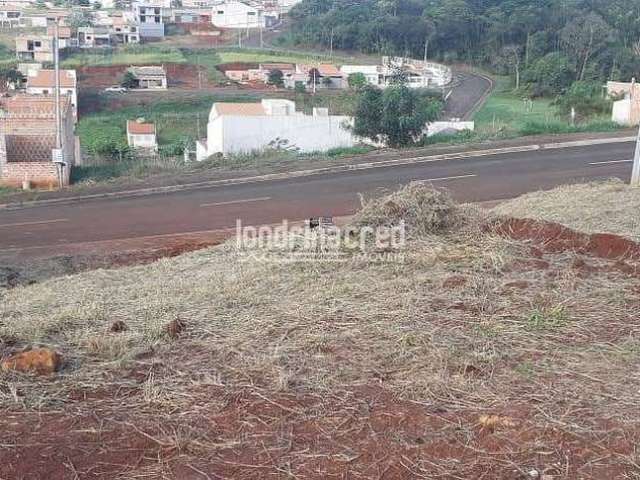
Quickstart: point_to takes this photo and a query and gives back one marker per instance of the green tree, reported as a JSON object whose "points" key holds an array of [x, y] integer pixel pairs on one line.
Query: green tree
{"points": [[356, 80], [397, 116], [129, 80], [276, 78], [586, 98]]}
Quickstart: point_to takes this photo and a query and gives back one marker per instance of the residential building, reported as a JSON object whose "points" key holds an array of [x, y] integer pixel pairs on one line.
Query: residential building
{"points": [[28, 140], [150, 18], [93, 37], [43, 82], [324, 76], [208, 4], [141, 135], [273, 123], [66, 38], [10, 17], [150, 77], [419, 74], [240, 14], [124, 32], [34, 47], [626, 105]]}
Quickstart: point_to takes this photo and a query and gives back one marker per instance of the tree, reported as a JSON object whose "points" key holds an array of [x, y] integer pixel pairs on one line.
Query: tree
{"points": [[583, 37], [356, 80], [80, 18], [276, 78], [129, 80], [512, 56], [314, 77], [397, 116], [586, 98]]}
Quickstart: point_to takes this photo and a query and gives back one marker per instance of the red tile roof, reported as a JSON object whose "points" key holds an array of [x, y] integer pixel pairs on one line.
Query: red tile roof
{"points": [[47, 79], [241, 109], [139, 128]]}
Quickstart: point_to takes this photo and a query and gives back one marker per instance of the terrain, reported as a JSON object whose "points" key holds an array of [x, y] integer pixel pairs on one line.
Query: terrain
{"points": [[490, 347]]}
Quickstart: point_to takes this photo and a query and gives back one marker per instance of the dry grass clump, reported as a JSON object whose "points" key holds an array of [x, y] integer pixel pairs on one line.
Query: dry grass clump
{"points": [[598, 207], [423, 209]]}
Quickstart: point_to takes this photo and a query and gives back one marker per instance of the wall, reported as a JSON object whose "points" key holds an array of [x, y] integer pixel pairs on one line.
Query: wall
{"points": [[236, 15], [238, 134], [142, 141]]}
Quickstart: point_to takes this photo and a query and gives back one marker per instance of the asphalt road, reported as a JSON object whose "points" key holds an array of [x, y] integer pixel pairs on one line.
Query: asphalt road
{"points": [[472, 179]]}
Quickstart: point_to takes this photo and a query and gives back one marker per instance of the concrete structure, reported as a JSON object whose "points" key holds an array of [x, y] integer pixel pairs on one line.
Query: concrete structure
{"points": [[28, 138], [626, 109], [10, 17], [123, 31], [150, 18], [43, 82], [273, 123], [141, 135], [436, 128], [240, 14], [150, 77], [325, 76], [419, 74], [93, 37], [65, 36], [34, 47]]}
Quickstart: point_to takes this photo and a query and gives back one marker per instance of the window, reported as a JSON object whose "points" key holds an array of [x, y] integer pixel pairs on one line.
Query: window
{"points": [[133, 29], [251, 13], [220, 12], [37, 43], [45, 92]]}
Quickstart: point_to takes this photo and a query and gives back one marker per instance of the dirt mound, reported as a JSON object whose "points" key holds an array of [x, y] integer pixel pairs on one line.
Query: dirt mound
{"points": [[556, 238]]}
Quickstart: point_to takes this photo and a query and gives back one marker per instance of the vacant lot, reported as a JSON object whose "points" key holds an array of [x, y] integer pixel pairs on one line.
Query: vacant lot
{"points": [[489, 349]]}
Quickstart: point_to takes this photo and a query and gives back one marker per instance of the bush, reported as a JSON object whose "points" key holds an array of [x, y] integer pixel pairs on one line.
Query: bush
{"points": [[586, 98], [559, 127]]}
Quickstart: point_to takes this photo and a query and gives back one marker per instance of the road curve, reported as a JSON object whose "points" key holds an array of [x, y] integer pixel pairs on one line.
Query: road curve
{"points": [[472, 179]]}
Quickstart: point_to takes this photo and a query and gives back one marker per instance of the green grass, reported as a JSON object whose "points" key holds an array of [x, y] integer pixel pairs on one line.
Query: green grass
{"points": [[506, 110], [508, 114], [128, 55], [257, 56]]}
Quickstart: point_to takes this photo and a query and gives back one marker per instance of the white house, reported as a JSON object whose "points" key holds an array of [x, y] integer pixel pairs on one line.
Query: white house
{"points": [[249, 127], [141, 135], [419, 74], [150, 17], [238, 14], [43, 82]]}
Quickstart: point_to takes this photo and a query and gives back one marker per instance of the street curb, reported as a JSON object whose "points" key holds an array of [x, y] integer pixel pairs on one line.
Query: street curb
{"points": [[143, 192]]}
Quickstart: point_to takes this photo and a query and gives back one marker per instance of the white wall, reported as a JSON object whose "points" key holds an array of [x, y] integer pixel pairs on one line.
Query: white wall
{"points": [[236, 15], [621, 113], [237, 134], [142, 141], [436, 127]]}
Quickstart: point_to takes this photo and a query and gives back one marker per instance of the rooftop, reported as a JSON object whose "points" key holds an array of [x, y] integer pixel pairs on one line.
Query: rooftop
{"points": [[47, 79], [241, 109], [140, 128], [148, 71], [29, 105]]}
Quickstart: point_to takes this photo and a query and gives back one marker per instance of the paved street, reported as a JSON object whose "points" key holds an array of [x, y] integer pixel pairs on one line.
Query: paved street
{"points": [[472, 179]]}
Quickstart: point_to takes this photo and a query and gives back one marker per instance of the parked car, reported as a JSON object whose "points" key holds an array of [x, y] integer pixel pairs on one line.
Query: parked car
{"points": [[116, 88]]}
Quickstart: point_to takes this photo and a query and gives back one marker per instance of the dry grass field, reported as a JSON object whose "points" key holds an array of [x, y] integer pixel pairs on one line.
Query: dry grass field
{"points": [[490, 348]]}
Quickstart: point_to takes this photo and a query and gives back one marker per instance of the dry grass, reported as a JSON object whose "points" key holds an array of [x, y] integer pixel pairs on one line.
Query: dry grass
{"points": [[600, 207], [464, 325]]}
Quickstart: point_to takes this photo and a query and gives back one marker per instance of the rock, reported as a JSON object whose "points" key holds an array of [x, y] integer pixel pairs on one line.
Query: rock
{"points": [[175, 328], [118, 327], [40, 361]]}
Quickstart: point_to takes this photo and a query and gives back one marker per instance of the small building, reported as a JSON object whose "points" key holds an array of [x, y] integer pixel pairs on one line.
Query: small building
{"points": [[66, 38], [149, 77], [151, 18], [324, 75], [34, 47], [93, 37], [273, 123], [43, 82], [28, 141], [124, 32], [419, 74], [10, 17], [141, 135], [626, 104], [237, 14]]}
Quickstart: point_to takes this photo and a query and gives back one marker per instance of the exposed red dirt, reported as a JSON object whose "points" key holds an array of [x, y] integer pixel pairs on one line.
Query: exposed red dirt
{"points": [[179, 75], [556, 238]]}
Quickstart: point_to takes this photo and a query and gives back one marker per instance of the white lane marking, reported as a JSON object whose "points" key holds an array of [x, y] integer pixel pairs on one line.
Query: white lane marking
{"points": [[608, 162], [42, 222], [446, 178], [233, 202]]}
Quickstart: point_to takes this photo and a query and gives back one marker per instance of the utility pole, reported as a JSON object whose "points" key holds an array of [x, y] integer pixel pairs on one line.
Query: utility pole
{"points": [[331, 44], [426, 49], [635, 174], [261, 39], [57, 156]]}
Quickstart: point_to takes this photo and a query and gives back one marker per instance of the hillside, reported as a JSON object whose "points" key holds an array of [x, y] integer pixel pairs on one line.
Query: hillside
{"points": [[486, 348]]}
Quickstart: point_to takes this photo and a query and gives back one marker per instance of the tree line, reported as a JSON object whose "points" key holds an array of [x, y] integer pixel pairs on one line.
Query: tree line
{"points": [[545, 45]]}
